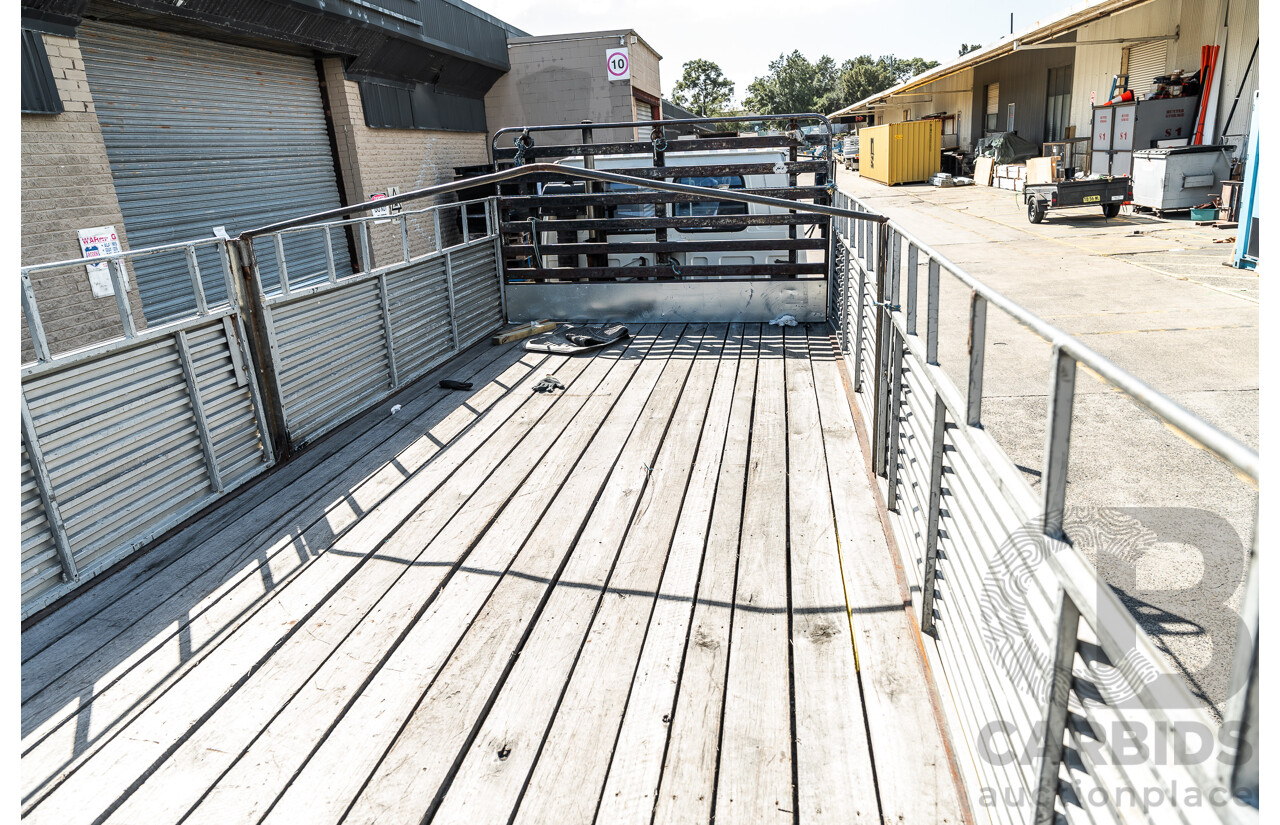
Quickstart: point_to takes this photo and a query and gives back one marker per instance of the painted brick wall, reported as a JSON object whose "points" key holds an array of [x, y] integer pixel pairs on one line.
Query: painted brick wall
{"points": [[372, 160], [67, 186]]}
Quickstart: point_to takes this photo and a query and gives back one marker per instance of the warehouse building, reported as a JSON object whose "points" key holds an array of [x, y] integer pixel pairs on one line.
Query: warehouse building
{"points": [[1043, 82], [167, 120]]}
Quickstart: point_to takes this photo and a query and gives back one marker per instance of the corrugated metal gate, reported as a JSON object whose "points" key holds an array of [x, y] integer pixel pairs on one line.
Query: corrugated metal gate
{"points": [[352, 341], [202, 134], [123, 440]]}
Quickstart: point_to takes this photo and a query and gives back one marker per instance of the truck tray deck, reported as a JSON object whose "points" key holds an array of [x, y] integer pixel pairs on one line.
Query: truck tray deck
{"points": [[623, 600]]}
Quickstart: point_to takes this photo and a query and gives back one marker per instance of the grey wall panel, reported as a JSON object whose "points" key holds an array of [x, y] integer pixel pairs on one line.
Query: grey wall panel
{"points": [[202, 134], [123, 448]]}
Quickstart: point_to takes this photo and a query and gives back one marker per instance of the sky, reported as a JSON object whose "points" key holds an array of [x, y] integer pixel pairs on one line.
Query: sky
{"points": [[742, 36]]}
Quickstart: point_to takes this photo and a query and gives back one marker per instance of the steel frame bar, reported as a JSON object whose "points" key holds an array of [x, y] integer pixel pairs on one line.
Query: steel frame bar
{"points": [[197, 409], [44, 486]]}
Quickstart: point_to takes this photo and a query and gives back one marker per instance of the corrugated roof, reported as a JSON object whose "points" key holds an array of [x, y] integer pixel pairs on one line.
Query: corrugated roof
{"points": [[1040, 33]]}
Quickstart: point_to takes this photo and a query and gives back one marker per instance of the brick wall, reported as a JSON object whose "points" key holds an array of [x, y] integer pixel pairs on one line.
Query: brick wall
{"points": [[67, 186], [372, 160]]}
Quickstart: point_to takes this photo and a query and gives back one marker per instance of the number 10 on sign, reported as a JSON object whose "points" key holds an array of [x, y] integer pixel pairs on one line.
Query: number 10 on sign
{"points": [[619, 64]]}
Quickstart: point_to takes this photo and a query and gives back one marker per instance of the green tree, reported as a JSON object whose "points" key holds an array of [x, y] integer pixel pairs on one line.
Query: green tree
{"points": [[703, 89], [965, 48], [863, 76], [793, 84]]}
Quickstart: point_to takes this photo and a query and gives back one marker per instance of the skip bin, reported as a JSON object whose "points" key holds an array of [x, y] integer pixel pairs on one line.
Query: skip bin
{"points": [[1180, 177], [908, 152]]}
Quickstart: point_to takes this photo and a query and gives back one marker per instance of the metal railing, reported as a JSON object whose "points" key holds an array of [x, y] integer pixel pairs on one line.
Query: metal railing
{"points": [[125, 438], [341, 343], [961, 509]]}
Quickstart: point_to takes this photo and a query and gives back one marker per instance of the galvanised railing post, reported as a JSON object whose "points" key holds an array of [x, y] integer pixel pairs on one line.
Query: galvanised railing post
{"points": [[282, 271], [197, 284], [859, 324], [894, 416], [1055, 717], [1062, 390], [35, 326], [44, 486], [115, 267], [913, 264], [878, 429], [197, 410], [1238, 765], [453, 307], [931, 313], [330, 266], [931, 530], [388, 336], [977, 351]]}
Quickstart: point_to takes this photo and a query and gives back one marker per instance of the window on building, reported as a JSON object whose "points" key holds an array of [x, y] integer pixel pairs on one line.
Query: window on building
{"points": [[993, 106], [39, 91], [1057, 112]]}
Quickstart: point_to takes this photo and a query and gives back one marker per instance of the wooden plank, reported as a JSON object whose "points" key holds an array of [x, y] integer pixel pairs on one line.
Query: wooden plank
{"points": [[633, 147], [610, 198], [755, 772], [532, 328], [646, 225], [288, 706], [247, 506], [607, 273], [687, 788], [580, 743], [65, 722], [496, 765], [636, 767], [336, 772], [434, 739], [914, 773], [428, 499], [731, 245], [836, 782]]}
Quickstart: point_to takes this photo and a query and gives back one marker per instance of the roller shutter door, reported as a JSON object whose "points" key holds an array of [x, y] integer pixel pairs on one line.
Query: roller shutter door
{"points": [[1146, 63], [644, 110], [202, 134]]}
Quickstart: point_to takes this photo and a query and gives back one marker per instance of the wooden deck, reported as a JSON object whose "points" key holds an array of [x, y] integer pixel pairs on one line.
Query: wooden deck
{"points": [[636, 600]]}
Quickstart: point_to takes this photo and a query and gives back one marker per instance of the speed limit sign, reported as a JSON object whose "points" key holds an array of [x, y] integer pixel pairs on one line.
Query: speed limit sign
{"points": [[619, 64]]}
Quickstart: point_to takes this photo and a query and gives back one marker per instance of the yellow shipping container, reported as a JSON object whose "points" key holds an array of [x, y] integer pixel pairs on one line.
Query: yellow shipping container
{"points": [[907, 152]]}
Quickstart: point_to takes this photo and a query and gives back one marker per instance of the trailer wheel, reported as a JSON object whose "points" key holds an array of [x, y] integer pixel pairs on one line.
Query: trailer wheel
{"points": [[1111, 209], [1036, 209]]}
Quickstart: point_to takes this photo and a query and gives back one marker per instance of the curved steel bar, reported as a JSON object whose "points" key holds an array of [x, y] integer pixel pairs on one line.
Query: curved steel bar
{"points": [[571, 173]]}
